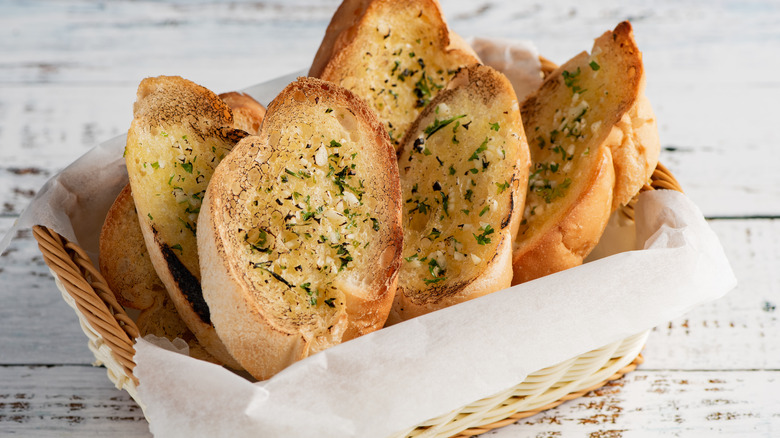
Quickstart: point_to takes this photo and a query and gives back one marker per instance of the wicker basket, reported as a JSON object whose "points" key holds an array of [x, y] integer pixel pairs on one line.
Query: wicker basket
{"points": [[111, 333]]}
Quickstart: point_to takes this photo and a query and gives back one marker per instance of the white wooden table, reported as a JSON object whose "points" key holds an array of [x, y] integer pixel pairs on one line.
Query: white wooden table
{"points": [[68, 74]]}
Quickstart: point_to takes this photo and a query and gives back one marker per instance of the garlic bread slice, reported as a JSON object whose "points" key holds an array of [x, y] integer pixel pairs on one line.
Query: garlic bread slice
{"points": [[299, 235], [594, 143], [180, 132], [124, 260], [464, 169], [397, 55], [127, 268], [247, 112]]}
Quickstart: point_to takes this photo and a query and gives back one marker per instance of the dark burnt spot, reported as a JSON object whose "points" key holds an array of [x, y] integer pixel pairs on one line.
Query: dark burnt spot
{"points": [[187, 283]]}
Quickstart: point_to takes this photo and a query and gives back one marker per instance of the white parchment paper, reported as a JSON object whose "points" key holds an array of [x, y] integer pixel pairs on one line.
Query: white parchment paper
{"points": [[639, 276]]}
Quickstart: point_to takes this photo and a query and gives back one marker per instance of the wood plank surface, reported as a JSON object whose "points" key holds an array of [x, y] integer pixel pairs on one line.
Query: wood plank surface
{"points": [[665, 404], [79, 401], [70, 69], [60, 401], [68, 74]]}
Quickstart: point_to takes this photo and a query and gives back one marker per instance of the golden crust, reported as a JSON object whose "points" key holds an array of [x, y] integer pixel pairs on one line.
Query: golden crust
{"points": [[248, 113], [565, 241], [125, 264], [124, 260], [172, 100], [362, 51], [271, 303], [593, 126]]}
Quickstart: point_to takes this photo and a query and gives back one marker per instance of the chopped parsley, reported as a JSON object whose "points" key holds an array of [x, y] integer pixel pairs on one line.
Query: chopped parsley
{"points": [[480, 149], [439, 124], [482, 238]]}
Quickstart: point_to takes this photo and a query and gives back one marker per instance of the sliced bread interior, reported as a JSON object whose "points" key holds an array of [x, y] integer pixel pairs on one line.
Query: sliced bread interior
{"points": [[464, 169], [180, 132], [397, 55], [299, 235], [594, 143]]}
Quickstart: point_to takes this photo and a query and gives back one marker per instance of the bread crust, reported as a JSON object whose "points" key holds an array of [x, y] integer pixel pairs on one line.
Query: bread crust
{"points": [[342, 29], [611, 165], [127, 268], [353, 32], [248, 113], [484, 95], [124, 260], [566, 240], [261, 334]]}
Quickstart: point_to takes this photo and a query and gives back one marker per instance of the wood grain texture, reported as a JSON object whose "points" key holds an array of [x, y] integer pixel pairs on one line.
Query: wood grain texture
{"points": [[76, 401], [70, 70], [68, 75], [665, 404]]}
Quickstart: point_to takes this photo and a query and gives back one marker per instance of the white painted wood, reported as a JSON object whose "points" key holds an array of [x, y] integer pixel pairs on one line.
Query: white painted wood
{"points": [[70, 68], [66, 401], [665, 404], [68, 73], [79, 401], [741, 330], [36, 325]]}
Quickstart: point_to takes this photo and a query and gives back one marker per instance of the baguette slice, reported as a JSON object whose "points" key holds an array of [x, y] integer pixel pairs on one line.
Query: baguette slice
{"points": [[124, 260], [248, 113], [127, 268], [397, 55], [179, 133], [464, 170], [594, 143], [300, 237]]}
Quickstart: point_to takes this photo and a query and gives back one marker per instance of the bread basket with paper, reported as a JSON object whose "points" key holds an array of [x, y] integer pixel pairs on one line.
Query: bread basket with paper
{"points": [[563, 310]]}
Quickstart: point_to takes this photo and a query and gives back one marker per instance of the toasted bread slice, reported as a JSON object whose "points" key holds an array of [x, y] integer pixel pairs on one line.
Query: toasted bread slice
{"points": [[127, 268], [594, 143], [124, 260], [248, 113], [464, 172], [300, 237], [313, 194], [397, 55], [179, 133], [163, 320]]}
